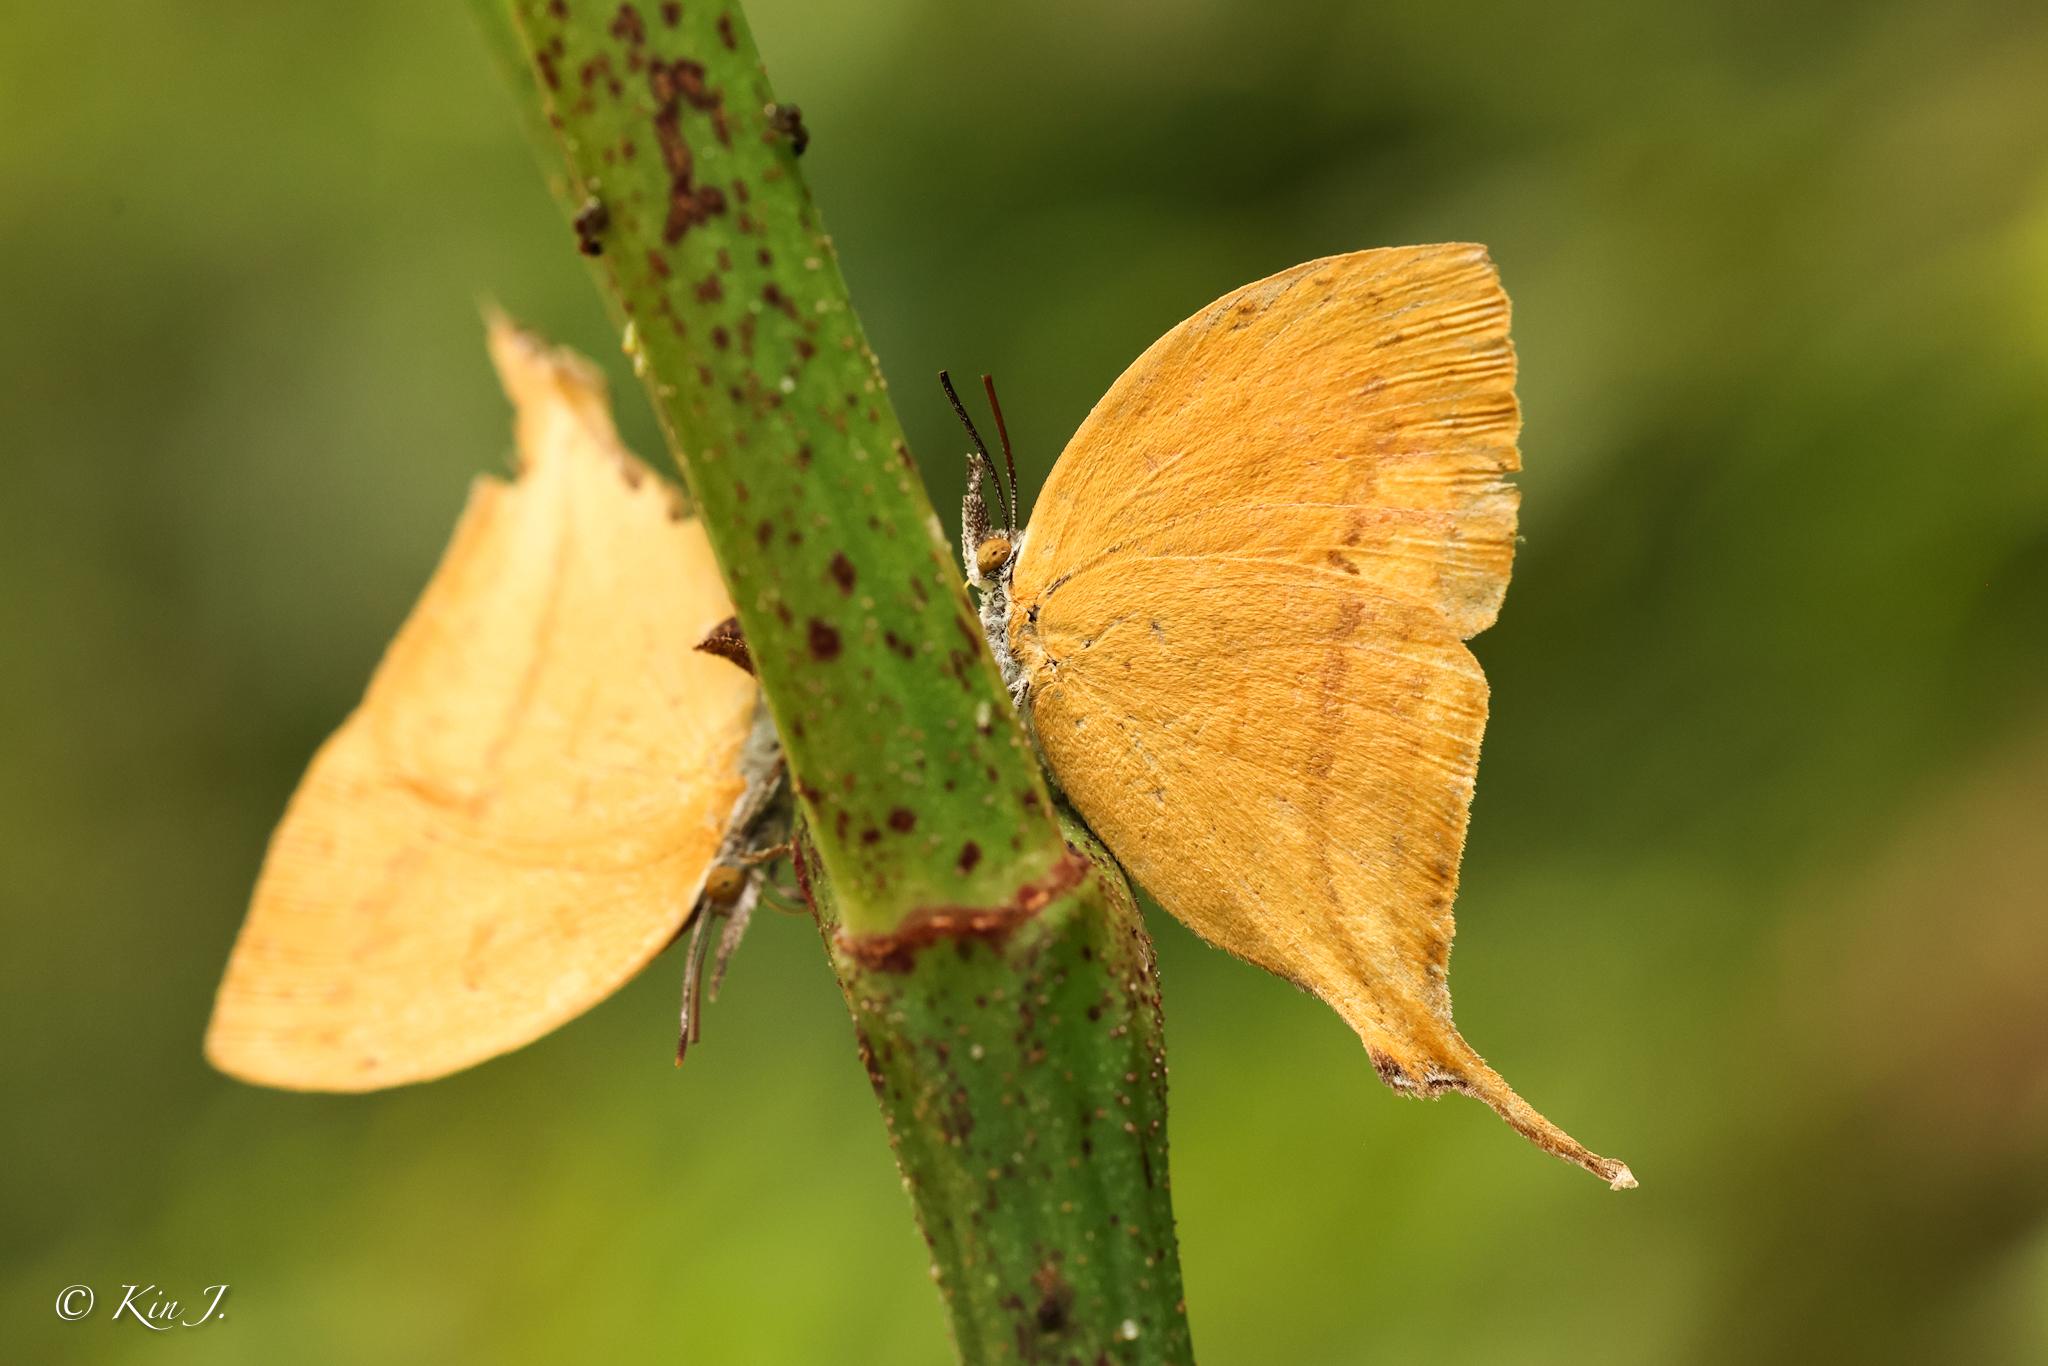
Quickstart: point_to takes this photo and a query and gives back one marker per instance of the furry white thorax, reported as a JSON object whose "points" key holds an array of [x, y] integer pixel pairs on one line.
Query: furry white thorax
{"points": [[993, 591]]}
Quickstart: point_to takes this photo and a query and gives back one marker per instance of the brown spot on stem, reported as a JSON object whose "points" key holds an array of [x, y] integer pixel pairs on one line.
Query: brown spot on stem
{"points": [[842, 572], [689, 82], [627, 26], [599, 70], [1055, 1298], [970, 855], [902, 820], [672, 85], [824, 639]]}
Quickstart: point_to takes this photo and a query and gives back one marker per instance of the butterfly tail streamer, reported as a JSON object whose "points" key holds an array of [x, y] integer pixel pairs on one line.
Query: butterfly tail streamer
{"points": [[1457, 1066]]}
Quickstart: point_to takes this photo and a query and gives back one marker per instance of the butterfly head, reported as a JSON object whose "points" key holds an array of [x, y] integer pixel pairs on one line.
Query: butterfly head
{"points": [[988, 536], [992, 555]]}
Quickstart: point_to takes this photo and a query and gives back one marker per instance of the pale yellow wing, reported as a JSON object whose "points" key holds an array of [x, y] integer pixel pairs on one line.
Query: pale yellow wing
{"points": [[522, 810], [1283, 755], [1356, 412]]}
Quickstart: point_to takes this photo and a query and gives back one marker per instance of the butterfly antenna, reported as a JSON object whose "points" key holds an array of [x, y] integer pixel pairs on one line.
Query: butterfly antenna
{"points": [[980, 446], [988, 384]]}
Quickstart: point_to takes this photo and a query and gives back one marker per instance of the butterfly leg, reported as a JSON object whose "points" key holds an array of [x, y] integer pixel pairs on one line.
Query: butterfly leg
{"points": [[757, 834]]}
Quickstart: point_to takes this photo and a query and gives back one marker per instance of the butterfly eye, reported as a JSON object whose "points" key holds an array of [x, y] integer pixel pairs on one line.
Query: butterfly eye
{"points": [[723, 885], [992, 554]]}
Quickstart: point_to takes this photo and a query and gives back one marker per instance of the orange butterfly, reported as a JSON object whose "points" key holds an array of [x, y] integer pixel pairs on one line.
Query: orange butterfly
{"points": [[527, 805], [1237, 618]]}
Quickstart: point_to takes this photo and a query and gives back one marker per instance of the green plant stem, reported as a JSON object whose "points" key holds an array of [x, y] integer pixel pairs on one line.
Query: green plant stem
{"points": [[999, 977], [1020, 1061], [919, 785]]}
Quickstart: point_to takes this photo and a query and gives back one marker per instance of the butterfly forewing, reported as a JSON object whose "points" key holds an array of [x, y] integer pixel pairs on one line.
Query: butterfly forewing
{"points": [[1356, 412]]}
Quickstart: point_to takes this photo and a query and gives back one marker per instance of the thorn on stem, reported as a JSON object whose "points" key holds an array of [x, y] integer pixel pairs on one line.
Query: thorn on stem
{"points": [[590, 222], [728, 642], [787, 121]]}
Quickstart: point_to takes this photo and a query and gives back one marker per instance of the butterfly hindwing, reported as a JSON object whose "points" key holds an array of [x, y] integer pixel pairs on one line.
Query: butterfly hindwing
{"points": [[522, 810], [1284, 756]]}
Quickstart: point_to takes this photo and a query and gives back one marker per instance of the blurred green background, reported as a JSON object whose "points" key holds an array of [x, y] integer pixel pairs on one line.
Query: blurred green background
{"points": [[1757, 892]]}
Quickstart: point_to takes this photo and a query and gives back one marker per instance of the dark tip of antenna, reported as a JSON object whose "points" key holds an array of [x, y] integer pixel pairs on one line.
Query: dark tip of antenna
{"points": [[973, 432], [988, 385], [960, 411]]}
